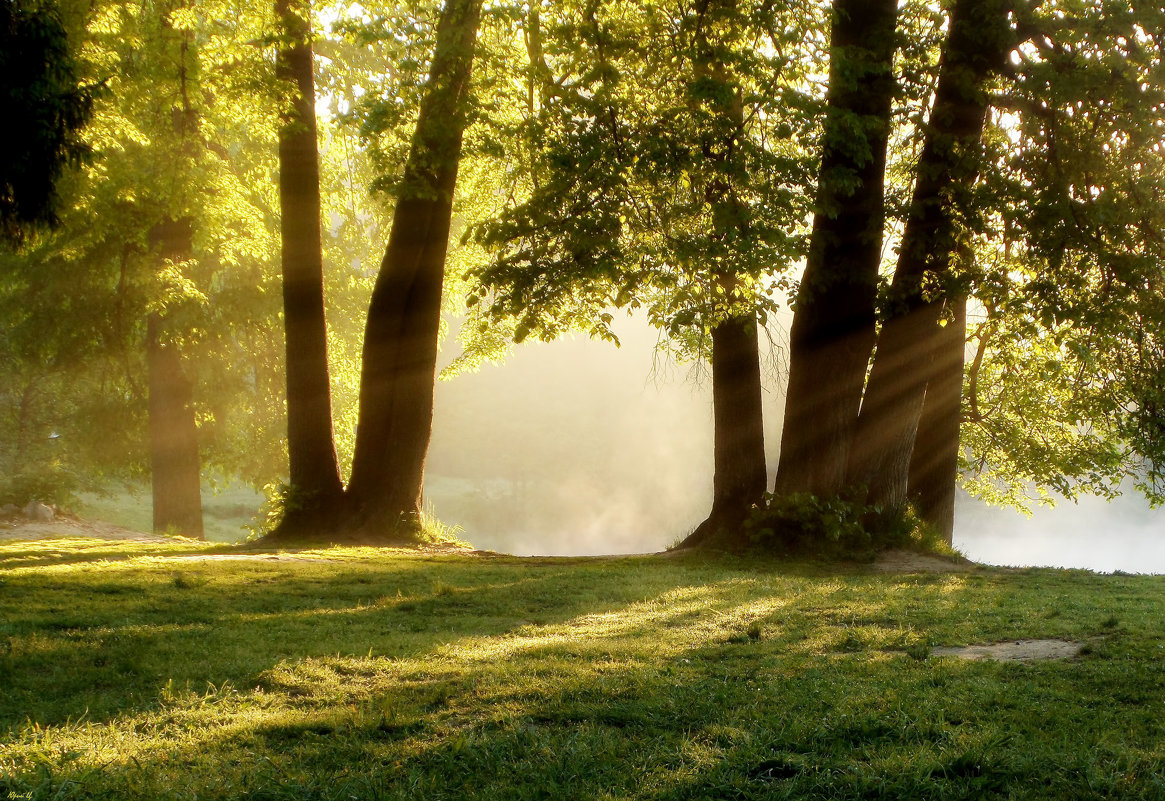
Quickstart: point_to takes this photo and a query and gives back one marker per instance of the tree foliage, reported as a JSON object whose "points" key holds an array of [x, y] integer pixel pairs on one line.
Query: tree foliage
{"points": [[41, 90], [664, 156]]}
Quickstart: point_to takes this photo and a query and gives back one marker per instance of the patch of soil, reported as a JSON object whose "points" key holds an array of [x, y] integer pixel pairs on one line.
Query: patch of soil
{"points": [[1014, 650], [900, 561]]}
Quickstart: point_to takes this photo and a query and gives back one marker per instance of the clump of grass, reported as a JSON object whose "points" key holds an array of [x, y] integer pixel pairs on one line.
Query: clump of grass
{"points": [[753, 633], [437, 532], [181, 581], [919, 651]]}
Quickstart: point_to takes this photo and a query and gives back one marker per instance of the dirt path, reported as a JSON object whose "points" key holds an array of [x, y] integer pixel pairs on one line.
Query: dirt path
{"points": [[898, 561]]}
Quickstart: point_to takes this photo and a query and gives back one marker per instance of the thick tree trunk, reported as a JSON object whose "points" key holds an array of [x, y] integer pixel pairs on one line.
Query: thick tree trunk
{"points": [[833, 330], [977, 45], [739, 446], [400, 341], [314, 473], [934, 462], [174, 467]]}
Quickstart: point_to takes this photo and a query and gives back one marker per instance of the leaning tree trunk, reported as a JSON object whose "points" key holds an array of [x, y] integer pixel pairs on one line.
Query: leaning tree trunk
{"points": [[934, 463], [314, 473], [400, 340], [832, 334], [979, 39]]}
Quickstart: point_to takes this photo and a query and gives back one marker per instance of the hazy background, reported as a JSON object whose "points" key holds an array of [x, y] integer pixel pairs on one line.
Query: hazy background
{"points": [[578, 447]]}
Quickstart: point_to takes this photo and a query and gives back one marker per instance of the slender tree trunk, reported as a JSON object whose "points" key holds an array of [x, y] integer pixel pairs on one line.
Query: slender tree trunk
{"points": [[739, 446], [400, 341], [934, 462], [736, 395], [739, 476], [174, 463], [833, 330], [979, 39], [314, 473]]}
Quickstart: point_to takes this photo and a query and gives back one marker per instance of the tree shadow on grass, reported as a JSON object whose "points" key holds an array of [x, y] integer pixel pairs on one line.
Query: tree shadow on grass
{"points": [[497, 680], [102, 641]]}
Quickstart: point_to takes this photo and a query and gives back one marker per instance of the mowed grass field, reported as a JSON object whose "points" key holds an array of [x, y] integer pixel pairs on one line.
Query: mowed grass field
{"points": [[133, 671]]}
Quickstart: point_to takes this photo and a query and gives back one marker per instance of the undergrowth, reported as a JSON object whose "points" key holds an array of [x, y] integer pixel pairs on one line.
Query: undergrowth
{"points": [[800, 524]]}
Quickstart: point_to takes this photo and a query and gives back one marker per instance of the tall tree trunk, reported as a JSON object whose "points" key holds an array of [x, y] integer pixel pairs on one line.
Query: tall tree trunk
{"points": [[400, 340], [174, 464], [934, 462], [314, 473], [980, 37], [175, 475], [739, 476], [833, 330]]}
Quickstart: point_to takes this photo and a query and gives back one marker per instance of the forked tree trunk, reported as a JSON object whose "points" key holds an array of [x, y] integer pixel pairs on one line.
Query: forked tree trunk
{"points": [[400, 341], [314, 473], [832, 334], [979, 39], [934, 463]]}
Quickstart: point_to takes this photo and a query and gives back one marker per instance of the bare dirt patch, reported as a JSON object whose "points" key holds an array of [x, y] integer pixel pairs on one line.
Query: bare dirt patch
{"points": [[1014, 650], [900, 561]]}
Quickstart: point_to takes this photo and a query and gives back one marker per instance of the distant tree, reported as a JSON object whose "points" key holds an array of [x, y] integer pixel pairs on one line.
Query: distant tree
{"points": [[47, 107], [145, 312]]}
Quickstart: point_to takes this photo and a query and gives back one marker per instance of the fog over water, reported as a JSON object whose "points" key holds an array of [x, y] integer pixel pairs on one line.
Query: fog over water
{"points": [[577, 447]]}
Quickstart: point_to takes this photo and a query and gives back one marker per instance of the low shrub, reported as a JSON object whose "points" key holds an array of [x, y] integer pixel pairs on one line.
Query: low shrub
{"points": [[834, 527]]}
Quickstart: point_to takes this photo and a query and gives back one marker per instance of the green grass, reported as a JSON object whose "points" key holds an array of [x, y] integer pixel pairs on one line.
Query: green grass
{"points": [[128, 672], [227, 510]]}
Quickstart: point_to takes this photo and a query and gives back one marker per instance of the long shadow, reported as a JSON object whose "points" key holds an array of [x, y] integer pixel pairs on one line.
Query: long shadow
{"points": [[102, 645], [65, 551], [565, 706]]}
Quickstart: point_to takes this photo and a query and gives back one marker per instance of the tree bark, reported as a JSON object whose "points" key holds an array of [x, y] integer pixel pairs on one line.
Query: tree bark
{"points": [[400, 341], [314, 472], [832, 334], [739, 445], [977, 44], [739, 475], [934, 462], [176, 480]]}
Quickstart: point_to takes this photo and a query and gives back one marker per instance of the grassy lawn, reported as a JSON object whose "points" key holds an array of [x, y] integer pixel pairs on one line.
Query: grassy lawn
{"points": [[131, 671], [226, 510]]}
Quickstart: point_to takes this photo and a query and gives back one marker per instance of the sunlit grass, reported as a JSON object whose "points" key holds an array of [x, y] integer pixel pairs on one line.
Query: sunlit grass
{"points": [[134, 671]]}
